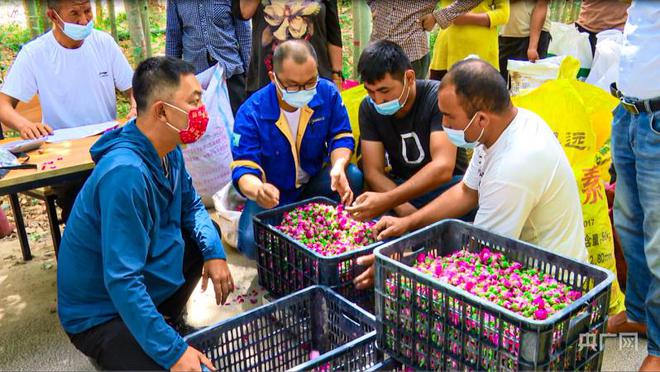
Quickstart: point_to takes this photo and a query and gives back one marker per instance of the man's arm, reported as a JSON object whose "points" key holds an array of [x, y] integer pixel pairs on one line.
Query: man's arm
{"points": [[536, 25], [173, 31], [492, 18], [432, 175], [245, 9], [445, 16], [454, 203], [195, 220], [125, 222], [11, 118], [333, 30], [20, 85], [340, 146], [373, 163], [244, 36], [248, 177]]}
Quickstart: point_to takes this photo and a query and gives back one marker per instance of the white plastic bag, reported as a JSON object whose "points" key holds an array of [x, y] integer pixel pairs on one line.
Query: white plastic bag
{"points": [[208, 159], [568, 41], [526, 75], [228, 205], [605, 69]]}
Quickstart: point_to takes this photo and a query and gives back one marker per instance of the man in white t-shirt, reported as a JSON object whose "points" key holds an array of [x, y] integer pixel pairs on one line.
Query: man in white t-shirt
{"points": [[519, 176], [73, 68]]}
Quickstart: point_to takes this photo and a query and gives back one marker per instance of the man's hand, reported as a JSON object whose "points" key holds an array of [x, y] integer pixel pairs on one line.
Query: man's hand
{"points": [[369, 205], [339, 82], [428, 21], [366, 279], [532, 55], [192, 360], [388, 227], [268, 196], [339, 183], [223, 283], [34, 130]]}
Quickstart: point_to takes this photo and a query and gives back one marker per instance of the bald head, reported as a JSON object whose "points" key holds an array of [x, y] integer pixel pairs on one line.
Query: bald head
{"points": [[478, 87], [297, 50]]}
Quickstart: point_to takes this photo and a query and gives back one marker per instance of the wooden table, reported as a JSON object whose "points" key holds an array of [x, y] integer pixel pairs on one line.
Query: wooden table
{"points": [[75, 163]]}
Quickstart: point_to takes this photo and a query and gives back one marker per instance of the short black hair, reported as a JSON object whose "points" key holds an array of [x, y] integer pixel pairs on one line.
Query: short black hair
{"points": [[54, 4], [297, 49], [479, 87], [380, 58], [155, 74]]}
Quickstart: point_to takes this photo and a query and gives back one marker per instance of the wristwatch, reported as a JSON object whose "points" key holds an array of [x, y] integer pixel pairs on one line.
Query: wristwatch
{"points": [[338, 73]]}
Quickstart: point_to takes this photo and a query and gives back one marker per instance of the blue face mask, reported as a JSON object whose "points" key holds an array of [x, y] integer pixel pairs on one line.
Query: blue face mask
{"points": [[390, 108], [75, 31], [296, 99], [457, 136]]}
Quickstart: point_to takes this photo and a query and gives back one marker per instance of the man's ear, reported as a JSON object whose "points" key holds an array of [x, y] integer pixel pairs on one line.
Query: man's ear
{"points": [[412, 74], [158, 110], [271, 75], [483, 119], [52, 16]]}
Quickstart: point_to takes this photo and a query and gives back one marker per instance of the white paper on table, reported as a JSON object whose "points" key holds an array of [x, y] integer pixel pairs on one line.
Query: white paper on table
{"points": [[68, 134]]}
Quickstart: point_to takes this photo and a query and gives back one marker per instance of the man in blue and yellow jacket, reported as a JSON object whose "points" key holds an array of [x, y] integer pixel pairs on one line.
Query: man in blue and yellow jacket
{"points": [[285, 134]]}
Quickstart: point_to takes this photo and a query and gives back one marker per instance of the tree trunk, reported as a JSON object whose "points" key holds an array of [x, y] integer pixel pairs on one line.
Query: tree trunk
{"points": [[144, 15], [46, 23], [112, 20], [98, 4], [361, 31], [31, 17], [135, 30]]}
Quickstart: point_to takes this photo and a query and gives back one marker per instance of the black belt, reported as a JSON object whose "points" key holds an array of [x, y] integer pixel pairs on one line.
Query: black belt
{"points": [[634, 105]]}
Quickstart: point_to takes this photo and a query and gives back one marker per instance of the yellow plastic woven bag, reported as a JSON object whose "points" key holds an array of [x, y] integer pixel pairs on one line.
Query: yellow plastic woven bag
{"points": [[580, 115], [352, 99]]}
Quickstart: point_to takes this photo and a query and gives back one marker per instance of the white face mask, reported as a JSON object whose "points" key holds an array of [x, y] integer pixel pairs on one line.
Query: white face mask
{"points": [[457, 136], [296, 99], [392, 107], [75, 31]]}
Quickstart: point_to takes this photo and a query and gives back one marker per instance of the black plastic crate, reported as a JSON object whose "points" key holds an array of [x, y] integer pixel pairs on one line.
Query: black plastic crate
{"points": [[428, 324], [286, 265], [281, 335]]}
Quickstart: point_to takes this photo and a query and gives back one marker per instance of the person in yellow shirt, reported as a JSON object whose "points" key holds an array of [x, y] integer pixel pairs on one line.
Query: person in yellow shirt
{"points": [[471, 33]]}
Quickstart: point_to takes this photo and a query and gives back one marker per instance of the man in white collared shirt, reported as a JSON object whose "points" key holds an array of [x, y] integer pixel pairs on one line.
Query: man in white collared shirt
{"points": [[636, 154]]}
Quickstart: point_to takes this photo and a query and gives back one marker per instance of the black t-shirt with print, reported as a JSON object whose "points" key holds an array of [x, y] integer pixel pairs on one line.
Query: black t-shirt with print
{"points": [[407, 140]]}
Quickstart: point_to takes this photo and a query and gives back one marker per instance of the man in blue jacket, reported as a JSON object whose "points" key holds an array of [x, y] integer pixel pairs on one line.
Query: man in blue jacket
{"points": [[139, 236], [285, 134]]}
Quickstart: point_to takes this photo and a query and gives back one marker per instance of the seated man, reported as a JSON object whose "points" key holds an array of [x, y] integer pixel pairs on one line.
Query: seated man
{"points": [[519, 176], [285, 133], [400, 119], [139, 235], [74, 69]]}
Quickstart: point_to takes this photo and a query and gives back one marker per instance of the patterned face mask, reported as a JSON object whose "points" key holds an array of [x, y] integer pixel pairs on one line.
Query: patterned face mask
{"points": [[198, 119]]}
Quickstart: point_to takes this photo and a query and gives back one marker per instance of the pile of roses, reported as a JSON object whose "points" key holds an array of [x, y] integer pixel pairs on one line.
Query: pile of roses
{"points": [[326, 229]]}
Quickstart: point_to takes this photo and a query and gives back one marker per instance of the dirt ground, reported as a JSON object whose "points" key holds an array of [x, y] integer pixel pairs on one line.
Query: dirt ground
{"points": [[31, 337]]}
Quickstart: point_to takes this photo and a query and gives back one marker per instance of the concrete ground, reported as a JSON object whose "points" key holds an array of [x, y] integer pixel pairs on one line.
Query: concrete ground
{"points": [[32, 339]]}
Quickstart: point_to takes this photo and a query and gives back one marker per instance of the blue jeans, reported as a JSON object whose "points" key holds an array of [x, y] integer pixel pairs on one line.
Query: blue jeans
{"points": [[318, 185], [422, 201], [636, 153]]}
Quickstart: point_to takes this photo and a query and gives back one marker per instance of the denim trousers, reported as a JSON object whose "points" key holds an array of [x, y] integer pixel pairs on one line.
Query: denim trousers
{"points": [[636, 154]]}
